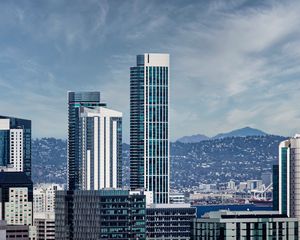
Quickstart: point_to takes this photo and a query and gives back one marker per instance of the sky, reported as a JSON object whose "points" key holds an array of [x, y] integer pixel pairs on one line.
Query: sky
{"points": [[233, 63]]}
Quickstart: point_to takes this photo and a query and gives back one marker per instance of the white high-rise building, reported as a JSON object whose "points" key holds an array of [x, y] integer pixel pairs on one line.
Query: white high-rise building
{"points": [[15, 146], [44, 197], [289, 177], [100, 133], [149, 125]]}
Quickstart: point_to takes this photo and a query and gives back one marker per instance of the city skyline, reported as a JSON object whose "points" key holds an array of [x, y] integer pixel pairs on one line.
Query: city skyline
{"points": [[226, 61]]}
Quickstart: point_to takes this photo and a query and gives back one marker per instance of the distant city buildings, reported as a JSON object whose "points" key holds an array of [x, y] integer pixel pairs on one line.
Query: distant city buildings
{"points": [[149, 125], [100, 214], [15, 145], [289, 177]]}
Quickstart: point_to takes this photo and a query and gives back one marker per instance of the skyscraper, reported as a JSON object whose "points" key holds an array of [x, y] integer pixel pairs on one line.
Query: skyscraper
{"points": [[15, 144], [100, 149], [75, 101], [289, 177], [149, 125]]}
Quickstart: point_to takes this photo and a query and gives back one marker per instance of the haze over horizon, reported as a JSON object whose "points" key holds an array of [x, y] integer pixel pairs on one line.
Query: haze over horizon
{"points": [[233, 63]]}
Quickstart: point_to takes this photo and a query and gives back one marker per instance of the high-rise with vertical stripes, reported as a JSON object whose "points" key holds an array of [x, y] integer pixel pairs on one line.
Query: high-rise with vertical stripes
{"points": [[94, 143], [149, 125]]}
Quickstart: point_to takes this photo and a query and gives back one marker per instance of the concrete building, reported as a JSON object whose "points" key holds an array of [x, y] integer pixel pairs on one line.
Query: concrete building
{"points": [[44, 197], [16, 198], [227, 225], [100, 147], [16, 232], [15, 144], [149, 125], [169, 221], [45, 226], [177, 198], [100, 214]]}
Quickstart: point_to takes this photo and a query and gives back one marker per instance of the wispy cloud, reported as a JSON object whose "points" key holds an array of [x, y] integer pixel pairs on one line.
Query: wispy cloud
{"points": [[233, 63]]}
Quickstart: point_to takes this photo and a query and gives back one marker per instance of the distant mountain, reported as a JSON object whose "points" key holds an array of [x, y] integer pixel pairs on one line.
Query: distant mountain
{"points": [[193, 139], [242, 132]]}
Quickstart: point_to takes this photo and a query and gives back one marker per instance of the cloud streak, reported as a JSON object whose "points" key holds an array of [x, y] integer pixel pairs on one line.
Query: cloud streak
{"points": [[233, 63]]}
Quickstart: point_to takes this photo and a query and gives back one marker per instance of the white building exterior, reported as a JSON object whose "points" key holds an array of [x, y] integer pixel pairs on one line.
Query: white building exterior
{"points": [[45, 225], [18, 211], [101, 139], [15, 146], [44, 197]]}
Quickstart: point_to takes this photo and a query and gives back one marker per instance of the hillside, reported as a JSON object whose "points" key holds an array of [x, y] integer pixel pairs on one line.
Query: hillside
{"points": [[209, 161]]}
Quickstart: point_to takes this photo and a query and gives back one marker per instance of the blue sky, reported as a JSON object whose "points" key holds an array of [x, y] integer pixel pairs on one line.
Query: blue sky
{"points": [[233, 63]]}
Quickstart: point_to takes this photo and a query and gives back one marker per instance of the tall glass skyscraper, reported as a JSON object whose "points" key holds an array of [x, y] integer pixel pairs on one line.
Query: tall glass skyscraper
{"points": [[149, 125], [75, 101]]}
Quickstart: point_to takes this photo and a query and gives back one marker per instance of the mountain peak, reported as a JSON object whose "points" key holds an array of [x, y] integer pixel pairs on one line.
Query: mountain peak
{"points": [[193, 138], [242, 132]]}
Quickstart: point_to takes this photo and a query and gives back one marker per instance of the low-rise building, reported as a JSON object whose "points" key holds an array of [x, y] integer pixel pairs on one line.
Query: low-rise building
{"points": [[17, 232], [245, 225], [177, 198], [45, 226], [169, 221]]}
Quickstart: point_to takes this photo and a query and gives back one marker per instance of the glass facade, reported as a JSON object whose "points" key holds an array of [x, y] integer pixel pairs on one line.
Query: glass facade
{"points": [[149, 126], [102, 214], [276, 187], [245, 226], [75, 101], [169, 221], [4, 147], [284, 193]]}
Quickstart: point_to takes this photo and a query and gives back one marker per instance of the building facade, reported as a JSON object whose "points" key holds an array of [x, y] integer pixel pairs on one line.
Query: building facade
{"points": [[275, 177], [75, 101], [16, 232], [45, 226], [100, 131], [100, 214], [289, 177], [149, 125], [169, 221], [44, 197], [15, 144], [16, 198], [227, 225]]}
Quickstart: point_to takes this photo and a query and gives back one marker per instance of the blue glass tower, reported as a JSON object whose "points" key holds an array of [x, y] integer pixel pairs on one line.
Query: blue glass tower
{"points": [[75, 101], [149, 125]]}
